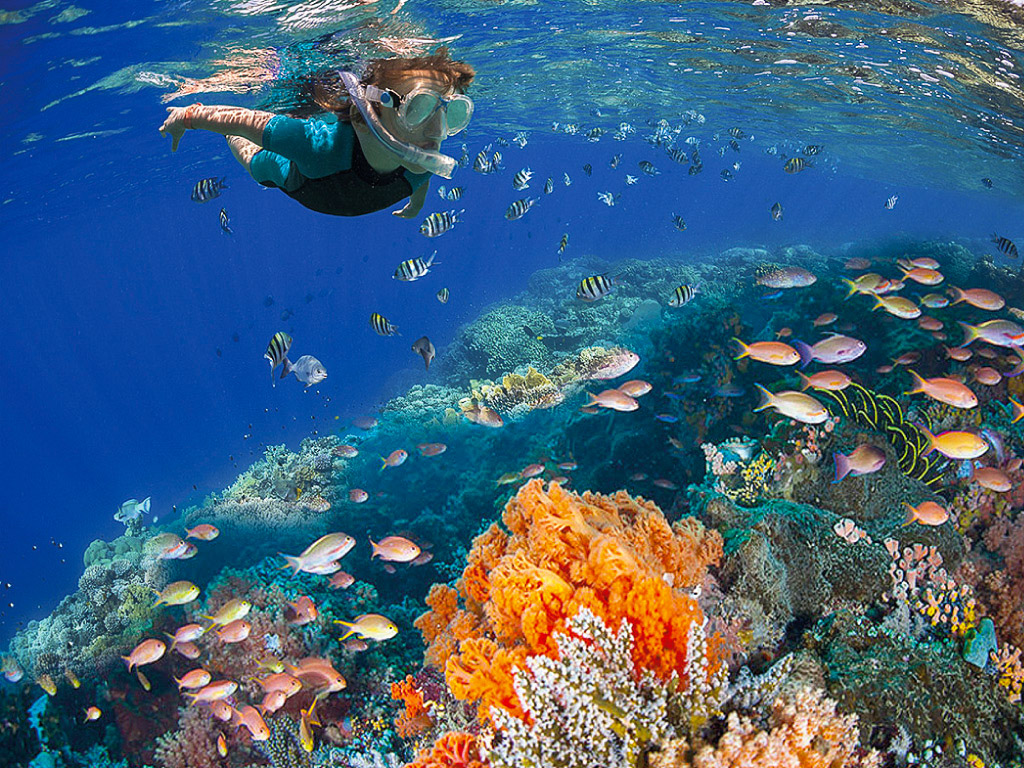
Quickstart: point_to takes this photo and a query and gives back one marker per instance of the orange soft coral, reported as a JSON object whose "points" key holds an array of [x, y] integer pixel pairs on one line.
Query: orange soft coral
{"points": [[614, 554], [453, 750], [415, 719]]}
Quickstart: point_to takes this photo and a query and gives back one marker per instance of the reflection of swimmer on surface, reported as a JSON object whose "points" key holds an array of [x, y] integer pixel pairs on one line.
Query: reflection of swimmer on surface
{"points": [[376, 147]]}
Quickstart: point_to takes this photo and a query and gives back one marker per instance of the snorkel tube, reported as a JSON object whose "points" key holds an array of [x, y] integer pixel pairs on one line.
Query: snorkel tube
{"points": [[433, 162]]}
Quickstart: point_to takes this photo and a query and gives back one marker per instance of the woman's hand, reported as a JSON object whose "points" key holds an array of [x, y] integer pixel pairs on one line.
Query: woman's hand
{"points": [[176, 123]]}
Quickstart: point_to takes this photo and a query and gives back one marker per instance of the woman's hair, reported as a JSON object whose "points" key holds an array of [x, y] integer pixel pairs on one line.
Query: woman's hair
{"points": [[327, 91]]}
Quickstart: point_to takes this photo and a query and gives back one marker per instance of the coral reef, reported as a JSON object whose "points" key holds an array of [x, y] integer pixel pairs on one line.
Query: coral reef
{"points": [[616, 555]]}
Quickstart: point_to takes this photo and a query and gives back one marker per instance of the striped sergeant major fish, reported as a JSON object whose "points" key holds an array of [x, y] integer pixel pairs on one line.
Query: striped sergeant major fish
{"points": [[224, 222], [588, 169], [442, 295], [679, 155], [562, 244], [678, 222], [614, 162], [519, 208], [890, 202], [453, 194], [206, 189], [522, 178], [1005, 246], [566, 180], [414, 269], [777, 212], [682, 295], [482, 164], [436, 224], [796, 164], [520, 139], [464, 158], [549, 186], [277, 352], [382, 326], [608, 198], [594, 287]]}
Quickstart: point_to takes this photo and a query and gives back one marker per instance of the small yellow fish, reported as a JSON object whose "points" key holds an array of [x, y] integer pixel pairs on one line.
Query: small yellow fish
{"points": [[306, 738], [508, 477], [177, 593], [47, 684], [370, 626], [143, 680], [231, 611], [73, 679]]}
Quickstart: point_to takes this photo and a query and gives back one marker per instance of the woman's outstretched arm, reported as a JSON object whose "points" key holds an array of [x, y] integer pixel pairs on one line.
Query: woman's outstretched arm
{"points": [[227, 121]]}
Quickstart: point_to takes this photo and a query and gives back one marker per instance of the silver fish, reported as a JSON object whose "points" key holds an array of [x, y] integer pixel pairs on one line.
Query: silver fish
{"points": [[519, 208], [132, 510], [307, 369], [424, 349]]}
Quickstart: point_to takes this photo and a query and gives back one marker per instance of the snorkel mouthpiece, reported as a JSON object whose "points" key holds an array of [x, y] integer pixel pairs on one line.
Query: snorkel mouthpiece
{"points": [[433, 162]]}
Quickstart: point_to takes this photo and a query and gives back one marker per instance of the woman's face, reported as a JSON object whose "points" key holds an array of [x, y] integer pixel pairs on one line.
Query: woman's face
{"points": [[431, 132]]}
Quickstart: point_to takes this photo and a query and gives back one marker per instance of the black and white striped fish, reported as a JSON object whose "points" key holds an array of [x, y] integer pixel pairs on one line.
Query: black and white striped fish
{"points": [[737, 133], [519, 208], [587, 169], [562, 244], [453, 194], [614, 162], [442, 295], [277, 352], [813, 149], [206, 190], [496, 161], [608, 198], [682, 295], [678, 222], [696, 168], [414, 269], [522, 178], [594, 287], [436, 224], [501, 141], [1006, 246], [890, 202], [648, 167], [679, 155], [464, 158], [380, 324], [482, 164], [520, 139], [796, 164], [566, 180], [777, 212], [549, 186], [224, 222]]}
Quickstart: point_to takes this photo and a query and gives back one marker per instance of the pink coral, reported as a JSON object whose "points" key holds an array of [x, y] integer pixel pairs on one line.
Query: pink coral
{"points": [[193, 744]]}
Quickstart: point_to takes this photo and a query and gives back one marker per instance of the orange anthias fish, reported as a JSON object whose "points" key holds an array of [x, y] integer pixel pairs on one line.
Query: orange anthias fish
{"points": [[394, 459], [341, 580], [831, 380], [982, 298], [346, 451], [826, 318], [303, 611], [273, 701], [188, 649], [898, 306], [956, 445], [531, 470], [431, 449], [250, 718], [185, 634], [203, 532], [987, 376], [145, 652], [216, 691], [397, 549], [319, 673], [283, 682], [327, 549], [358, 495], [863, 460], [960, 354], [923, 275], [306, 738], [92, 713], [235, 631], [771, 352], [196, 678], [221, 710], [612, 399], [177, 593], [992, 478], [635, 388], [948, 391], [222, 745], [796, 405], [926, 513]]}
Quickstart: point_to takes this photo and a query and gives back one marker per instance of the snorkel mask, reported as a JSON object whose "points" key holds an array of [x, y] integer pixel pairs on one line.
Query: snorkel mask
{"points": [[414, 109]]}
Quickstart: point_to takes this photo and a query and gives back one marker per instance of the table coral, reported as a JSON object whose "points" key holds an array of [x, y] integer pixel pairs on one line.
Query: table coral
{"points": [[615, 555]]}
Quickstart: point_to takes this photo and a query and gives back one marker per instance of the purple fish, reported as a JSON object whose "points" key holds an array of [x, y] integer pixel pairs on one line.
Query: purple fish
{"points": [[834, 349]]}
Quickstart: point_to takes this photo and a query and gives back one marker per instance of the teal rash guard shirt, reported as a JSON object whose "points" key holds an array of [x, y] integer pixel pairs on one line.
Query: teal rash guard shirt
{"points": [[321, 165]]}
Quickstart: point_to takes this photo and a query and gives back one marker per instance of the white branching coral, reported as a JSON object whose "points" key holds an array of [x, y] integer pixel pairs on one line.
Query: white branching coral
{"points": [[590, 707]]}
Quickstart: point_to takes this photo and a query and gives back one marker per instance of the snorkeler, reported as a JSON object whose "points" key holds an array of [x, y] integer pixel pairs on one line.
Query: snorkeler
{"points": [[382, 147]]}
